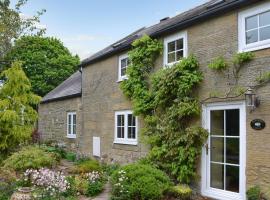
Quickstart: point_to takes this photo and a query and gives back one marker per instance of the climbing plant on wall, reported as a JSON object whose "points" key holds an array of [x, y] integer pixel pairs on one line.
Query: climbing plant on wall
{"points": [[165, 100]]}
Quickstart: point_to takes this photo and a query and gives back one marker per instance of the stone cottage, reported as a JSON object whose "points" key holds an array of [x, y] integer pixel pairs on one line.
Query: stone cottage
{"points": [[90, 113]]}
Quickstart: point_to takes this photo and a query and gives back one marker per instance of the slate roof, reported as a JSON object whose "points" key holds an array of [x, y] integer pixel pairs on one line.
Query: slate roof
{"points": [[71, 87], [200, 13]]}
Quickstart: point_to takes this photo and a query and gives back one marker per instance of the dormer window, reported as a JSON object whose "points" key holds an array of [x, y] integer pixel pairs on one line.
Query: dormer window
{"points": [[254, 28], [122, 67], [175, 48]]}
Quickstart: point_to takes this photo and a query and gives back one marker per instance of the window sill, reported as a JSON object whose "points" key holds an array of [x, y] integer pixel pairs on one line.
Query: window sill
{"points": [[121, 79], [71, 136], [255, 47], [134, 143]]}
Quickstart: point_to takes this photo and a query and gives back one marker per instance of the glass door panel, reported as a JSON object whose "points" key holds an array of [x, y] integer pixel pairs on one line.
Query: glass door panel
{"points": [[225, 149]]}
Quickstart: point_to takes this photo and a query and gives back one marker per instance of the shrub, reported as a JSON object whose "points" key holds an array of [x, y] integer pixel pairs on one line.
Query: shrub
{"points": [[86, 166], [137, 181], [109, 169], [56, 150], [254, 193], [96, 182], [30, 157], [7, 183], [50, 183], [182, 192], [70, 156]]}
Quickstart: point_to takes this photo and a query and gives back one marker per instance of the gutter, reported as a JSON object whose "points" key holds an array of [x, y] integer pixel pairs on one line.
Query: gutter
{"points": [[61, 98], [211, 12]]}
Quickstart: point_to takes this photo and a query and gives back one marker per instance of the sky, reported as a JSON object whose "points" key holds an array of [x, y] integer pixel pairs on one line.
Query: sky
{"points": [[87, 26]]}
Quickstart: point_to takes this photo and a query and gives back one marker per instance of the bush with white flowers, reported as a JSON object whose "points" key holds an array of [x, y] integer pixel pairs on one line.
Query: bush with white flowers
{"points": [[48, 181]]}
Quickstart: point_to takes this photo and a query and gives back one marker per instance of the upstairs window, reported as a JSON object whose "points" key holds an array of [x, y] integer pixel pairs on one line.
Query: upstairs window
{"points": [[71, 124], [122, 67], [125, 128], [175, 48], [254, 28]]}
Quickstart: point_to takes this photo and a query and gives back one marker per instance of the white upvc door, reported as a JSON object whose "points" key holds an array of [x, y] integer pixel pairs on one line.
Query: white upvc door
{"points": [[224, 154]]}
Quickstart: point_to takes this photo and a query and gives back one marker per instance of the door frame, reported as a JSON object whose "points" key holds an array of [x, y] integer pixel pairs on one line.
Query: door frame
{"points": [[206, 190]]}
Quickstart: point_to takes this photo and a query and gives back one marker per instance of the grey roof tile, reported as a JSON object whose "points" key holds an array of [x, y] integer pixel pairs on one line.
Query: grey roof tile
{"points": [[211, 8], [71, 87]]}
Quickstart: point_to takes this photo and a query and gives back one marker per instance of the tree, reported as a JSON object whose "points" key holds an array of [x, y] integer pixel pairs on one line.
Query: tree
{"points": [[13, 25], [46, 61], [17, 115]]}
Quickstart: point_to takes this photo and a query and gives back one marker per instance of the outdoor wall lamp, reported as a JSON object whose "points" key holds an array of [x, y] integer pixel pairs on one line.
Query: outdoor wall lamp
{"points": [[252, 101]]}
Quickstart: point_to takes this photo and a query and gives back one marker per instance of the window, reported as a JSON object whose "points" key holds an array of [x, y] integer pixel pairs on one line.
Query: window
{"points": [[125, 128], [71, 124], [254, 28], [122, 68], [175, 48]]}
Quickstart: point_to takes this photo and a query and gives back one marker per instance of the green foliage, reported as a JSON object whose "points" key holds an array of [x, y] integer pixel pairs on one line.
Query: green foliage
{"points": [[263, 78], [218, 64], [70, 156], [7, 183], [254, 193], [56, 150], [166, 102], [30, 157], [109, 169], [142, 56], [141, 182], [17, 116], [182, 192], [94, 188], [46, 61], [244, 57], [12, 25], [86, 166]]}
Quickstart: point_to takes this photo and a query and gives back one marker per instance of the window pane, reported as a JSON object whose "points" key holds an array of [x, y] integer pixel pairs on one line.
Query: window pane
{"points": [[232, 178], [252, 36], [232, 150], [171, 57], [69, 129], [265, 33], [217, 149], [217, 122], [217, 176], [120, 120], [171, 46], [232, 122], [179, 44], [131, 133], [123, 71], [123, 62], [265, 19], [74, 119], [69, 119], [179, 55], [120, 132], [131, 120], [251, 22], [74, 129]]}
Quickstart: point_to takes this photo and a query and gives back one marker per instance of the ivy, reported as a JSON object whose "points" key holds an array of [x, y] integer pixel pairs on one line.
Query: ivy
{"points": [[165, 100], [218, 64]]}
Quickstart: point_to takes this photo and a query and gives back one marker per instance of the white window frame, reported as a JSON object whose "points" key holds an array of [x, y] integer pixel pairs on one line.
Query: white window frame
{"points": [[242, 46], [180, 35], [122, 57], [71, 135], [125, 140]]}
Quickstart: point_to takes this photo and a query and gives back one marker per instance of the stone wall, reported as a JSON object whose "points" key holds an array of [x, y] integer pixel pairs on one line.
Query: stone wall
{"points": [[207, 40], [52, 124]]}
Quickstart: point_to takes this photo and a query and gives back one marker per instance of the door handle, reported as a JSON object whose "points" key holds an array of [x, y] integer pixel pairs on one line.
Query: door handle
{"points": [[206, 148]]}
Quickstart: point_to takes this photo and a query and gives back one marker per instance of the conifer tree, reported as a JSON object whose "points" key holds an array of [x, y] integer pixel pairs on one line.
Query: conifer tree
{"points": [[17, 113]]}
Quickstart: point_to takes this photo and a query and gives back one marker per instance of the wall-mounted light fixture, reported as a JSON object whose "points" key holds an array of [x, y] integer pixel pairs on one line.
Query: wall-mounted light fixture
{"points": [[252, 101]]}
